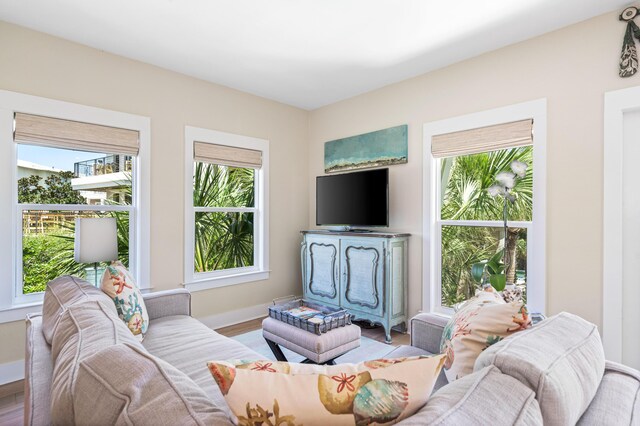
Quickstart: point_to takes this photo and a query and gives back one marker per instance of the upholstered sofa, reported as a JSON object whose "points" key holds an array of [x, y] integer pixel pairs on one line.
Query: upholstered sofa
{"points": [[83, 366]]}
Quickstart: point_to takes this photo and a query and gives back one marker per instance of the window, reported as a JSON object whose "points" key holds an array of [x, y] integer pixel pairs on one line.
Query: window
{"points": [[226, 209], [470, 227], [464, 225], [61, 161], [51, 195]]}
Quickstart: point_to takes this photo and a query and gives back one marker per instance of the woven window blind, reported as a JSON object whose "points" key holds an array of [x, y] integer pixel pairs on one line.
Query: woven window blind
{"points": [[490, 138], [227, 155], [59, 133]]}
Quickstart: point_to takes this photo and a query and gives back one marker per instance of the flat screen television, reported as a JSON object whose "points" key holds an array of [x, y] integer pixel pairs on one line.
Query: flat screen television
{"points": [[353, 199]]}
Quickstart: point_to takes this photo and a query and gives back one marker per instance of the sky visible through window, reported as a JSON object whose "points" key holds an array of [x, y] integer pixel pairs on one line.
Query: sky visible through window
{"points": [[61, 159]]}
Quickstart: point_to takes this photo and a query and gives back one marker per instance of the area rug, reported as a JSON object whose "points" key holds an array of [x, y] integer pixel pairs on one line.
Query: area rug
{"points": [[369, 349]]}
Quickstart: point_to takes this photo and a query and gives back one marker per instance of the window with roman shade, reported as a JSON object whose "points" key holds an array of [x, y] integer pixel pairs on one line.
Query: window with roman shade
{"points": [[230, 156], [468, 225], [226, 212], [484, 139], [69, 169], [66, 134]]}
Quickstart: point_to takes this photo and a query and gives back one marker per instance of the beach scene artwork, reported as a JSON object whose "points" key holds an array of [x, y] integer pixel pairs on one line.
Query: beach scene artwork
{"points": [[374, 149]]}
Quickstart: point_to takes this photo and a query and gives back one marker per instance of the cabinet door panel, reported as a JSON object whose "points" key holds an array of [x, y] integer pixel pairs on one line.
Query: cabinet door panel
{"points": [[322, 266], [362, 276]]}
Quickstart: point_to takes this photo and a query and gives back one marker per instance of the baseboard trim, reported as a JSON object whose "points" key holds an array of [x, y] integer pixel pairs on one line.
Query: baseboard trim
{"points": [[11, 389], [11, 372], [226, 319]]}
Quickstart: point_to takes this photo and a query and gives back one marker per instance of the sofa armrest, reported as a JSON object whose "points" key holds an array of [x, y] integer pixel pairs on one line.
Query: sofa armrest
{"points": [[622, 369], [426, 331], [168, 302], [38, 374]]}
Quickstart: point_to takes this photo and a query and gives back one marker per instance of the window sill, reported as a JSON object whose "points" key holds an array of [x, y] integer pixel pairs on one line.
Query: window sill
{"points": [[19, 312], [226, 280]]}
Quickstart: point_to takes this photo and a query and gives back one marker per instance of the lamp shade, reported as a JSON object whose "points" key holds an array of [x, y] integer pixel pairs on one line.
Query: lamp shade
{"points": [[96, 240]]}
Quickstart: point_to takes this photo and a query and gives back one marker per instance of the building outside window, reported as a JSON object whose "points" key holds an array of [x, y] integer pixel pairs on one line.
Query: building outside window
{"points": [[50, 202], [60, 161]]}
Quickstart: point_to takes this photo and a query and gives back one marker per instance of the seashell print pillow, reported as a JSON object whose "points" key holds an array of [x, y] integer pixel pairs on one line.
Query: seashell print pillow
{"points": [[483, 320], [379, 391], [118, 284]]}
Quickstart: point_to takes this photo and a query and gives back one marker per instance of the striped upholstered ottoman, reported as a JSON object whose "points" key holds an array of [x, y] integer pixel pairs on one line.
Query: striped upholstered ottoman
{"points": [[318, 349]]}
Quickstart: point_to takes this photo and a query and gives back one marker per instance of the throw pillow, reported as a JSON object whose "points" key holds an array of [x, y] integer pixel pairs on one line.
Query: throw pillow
{"points": [[484, 320], [118, 284], [379, 391]]}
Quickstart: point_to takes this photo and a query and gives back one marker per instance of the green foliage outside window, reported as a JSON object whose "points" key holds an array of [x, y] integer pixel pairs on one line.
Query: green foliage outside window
{"points": [[48, 255], [49, 252], [56, 190], [223, 240], [464, 196]]}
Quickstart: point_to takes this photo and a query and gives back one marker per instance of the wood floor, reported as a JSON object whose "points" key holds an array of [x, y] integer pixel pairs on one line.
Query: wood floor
{"points": [[12, 396], [11, 409]]}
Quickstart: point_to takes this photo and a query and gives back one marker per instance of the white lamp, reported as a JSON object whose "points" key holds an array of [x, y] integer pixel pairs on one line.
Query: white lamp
{"points": [[96, 240]]}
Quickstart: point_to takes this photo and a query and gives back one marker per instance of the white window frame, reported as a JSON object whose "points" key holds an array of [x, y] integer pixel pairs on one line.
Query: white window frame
{"points": [[13, 304], [432, 224], [195, 281], [616, 104]]}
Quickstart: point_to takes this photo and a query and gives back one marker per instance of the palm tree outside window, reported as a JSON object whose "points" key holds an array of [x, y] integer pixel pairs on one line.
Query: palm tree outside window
{"points": [[470, 220]]}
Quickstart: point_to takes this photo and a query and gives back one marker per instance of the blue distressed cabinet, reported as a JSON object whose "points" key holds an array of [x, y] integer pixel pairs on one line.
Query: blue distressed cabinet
{"points": [[364, 273]]}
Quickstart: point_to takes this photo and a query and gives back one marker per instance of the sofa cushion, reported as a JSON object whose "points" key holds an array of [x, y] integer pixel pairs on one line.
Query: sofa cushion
{"points": [[618, 398], [377, 391], [83, 330], [561, 359], [63, 292], [403, 351], [482, 321], [148, 391], [120, 286], [484, 397], [188, 344]]}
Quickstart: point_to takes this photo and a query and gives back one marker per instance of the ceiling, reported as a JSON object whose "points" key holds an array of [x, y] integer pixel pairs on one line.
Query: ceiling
{"points": [[304, 53]]}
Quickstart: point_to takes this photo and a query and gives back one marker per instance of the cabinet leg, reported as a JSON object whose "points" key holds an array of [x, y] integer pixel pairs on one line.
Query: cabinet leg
{"points": [[387, 335]]}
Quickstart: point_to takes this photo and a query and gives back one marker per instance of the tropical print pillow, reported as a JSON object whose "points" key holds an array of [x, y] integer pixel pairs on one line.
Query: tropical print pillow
{"points": [[118, 283], [484, 320], [382, 391]]}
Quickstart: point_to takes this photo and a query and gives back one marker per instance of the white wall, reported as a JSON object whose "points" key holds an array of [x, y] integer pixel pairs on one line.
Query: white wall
{"points": [[572, 68]]}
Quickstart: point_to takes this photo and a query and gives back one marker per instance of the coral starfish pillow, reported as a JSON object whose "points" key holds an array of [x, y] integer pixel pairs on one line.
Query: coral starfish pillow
{"points": [[118, 284], [380, 391], [482, 321]]}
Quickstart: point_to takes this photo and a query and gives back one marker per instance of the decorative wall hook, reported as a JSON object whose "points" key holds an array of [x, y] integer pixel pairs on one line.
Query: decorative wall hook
{"points": [[629, 55], [629, 13]]}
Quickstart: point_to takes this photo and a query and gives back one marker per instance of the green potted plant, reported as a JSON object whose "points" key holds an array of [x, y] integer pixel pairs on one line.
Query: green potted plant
{"points": [[490, 272]]}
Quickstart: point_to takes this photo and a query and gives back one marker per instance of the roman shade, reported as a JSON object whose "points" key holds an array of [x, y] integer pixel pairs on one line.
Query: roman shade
{"points": [[227, 155], [67, 134], [482, 139]]}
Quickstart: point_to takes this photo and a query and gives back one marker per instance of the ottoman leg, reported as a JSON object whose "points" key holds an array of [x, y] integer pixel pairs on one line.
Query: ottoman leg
{"points": [[277, 352], [308, 361]]}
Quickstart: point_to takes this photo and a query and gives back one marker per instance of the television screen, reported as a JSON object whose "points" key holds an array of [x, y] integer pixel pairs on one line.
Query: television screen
{"points": [[353, 199]]}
